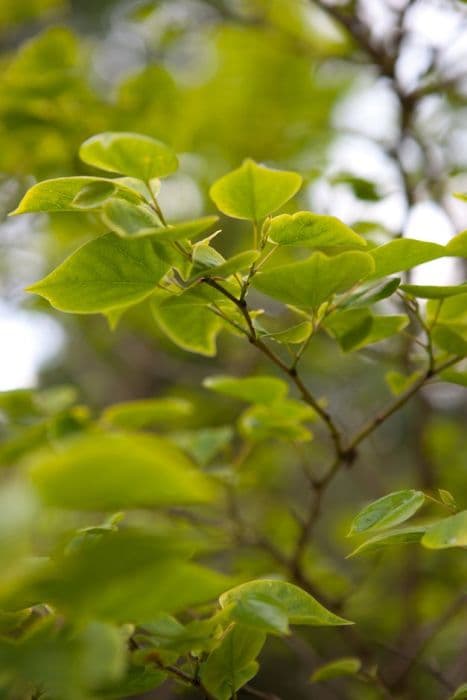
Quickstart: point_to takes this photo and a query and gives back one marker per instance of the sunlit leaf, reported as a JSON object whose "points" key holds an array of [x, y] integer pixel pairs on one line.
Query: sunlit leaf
{"points": [[313, 231], [254, 191], [402, 254], [104, 274], [129, 154]]}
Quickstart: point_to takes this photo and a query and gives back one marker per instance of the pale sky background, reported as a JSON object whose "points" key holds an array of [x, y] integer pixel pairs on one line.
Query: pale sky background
{"points": [[27, 340]]}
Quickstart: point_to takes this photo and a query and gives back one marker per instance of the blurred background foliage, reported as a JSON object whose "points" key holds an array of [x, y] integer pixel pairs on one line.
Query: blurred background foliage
{"points": [[279, 81]]}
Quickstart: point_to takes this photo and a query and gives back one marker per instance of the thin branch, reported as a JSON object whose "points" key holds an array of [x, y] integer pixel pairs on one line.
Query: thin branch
{"points": [[382, 416]]}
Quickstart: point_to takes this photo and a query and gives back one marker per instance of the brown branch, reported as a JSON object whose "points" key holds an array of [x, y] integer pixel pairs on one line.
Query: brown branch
{"points": [[427, 635]]}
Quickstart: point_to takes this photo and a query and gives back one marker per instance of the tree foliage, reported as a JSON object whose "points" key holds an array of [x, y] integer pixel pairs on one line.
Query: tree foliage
{"points": [[189, 535]]}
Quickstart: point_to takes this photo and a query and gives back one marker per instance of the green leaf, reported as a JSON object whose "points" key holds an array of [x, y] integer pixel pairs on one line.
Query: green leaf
{"points": [[313, 281], [313, 231], [137, 680], [127, 219], [94, 194], [237, 263], [392, 538], [203, 445], [300, 607], [295, 334], [457, 246], [129, 154], [146, 412], [259, 389], [433, 292], [65, 665], [347, 666], [254, 191], [232, 664], [371, 294], [447, 338], [403, 254], [168, 634], [104, 274], [184, 229], [126, 576], [388, 511], [281, 420], [398, 382], [187, 320], [362, 188], [59, 194], [357, 328], [454, 377], [447, 498], [450, 532], [461, 691], [111, 472]]}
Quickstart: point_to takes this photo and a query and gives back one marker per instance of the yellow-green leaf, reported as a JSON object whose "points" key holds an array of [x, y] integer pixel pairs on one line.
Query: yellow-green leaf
{"points": [[254, 191], [129, 154]]}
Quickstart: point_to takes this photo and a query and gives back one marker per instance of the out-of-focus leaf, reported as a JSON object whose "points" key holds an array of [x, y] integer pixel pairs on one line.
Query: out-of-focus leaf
{"points": [[113, 471], [147, 412], [347, 666], [281, 420], [203, 445], [259, 389], [433, 292], [128, 219], [449, 532]]}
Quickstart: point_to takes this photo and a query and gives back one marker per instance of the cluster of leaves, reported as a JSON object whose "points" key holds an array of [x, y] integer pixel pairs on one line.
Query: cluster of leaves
{"points": [[123, 510]]}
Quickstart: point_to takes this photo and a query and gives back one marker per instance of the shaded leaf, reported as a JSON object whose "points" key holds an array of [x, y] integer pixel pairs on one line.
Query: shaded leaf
{"points": [[311, 282], [347, 666], [403, 254], [187, 320], [433, 292], [232, 663]]}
